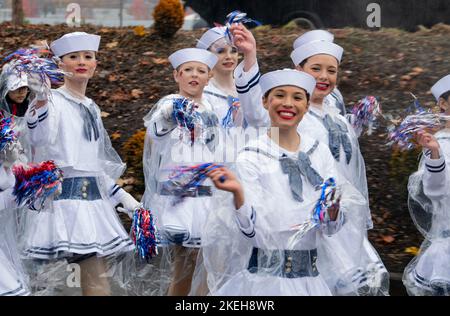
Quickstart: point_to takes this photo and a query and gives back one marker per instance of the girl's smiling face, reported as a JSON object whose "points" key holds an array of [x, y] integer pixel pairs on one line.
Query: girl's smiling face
{"points": [[286, 105], [192, 77], [324, 68]]}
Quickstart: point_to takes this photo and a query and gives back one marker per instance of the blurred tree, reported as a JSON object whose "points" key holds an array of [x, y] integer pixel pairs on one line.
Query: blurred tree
{"points": [[17, 13], [169, 17]]}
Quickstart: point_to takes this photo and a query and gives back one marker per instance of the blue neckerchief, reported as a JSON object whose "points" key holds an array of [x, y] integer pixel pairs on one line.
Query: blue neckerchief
{"points": [[337, 136]]}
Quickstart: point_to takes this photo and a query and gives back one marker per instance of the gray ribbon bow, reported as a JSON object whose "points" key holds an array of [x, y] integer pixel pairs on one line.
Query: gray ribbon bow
{"points": [[337, 136], [90, 125], [295, 169]]}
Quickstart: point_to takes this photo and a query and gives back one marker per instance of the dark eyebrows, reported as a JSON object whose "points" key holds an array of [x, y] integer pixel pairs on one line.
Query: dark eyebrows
{"points": [[320, 65]]}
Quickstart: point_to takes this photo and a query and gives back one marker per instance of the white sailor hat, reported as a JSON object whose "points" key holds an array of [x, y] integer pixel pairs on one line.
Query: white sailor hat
{"points": [[313, 36], [210, 36], [193, 54], [315, 48], [75, 42], [287, 77], [441, 87]]}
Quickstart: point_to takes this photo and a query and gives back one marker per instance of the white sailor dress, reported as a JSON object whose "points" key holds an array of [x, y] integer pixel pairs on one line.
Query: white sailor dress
{"points": [[180, 221], [82, 220], [275, 266], [429, 272]]}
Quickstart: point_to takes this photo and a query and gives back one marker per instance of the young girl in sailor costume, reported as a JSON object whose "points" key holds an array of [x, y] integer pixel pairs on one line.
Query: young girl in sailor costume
{"points": [[81, 224], [168, 146], [221, 90], [249, 248], [247, 73], [319, 57], [429, 205], [14, 102]]}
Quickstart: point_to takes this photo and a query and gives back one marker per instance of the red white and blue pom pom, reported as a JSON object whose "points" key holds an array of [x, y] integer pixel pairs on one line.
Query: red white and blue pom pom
{"points": [[403, 135], [190, 178], [144, 233], [233, 107], [28, 62], [7, 133], [365, 112], [236, 17], [329, 197], [35, 183], [185, 115]]}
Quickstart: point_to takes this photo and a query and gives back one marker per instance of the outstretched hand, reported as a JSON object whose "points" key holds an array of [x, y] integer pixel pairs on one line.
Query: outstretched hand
{"points": [[245, 42], [226, 180], [243, 39], [40, 87], [428, 141]]}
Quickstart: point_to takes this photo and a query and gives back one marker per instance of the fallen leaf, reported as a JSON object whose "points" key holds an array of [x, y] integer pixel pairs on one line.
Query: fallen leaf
{"points": [[412, 250], [104, 114], [388, 239], [120, 96], [116, 135], [112, 45], [160, 61], [140, 30], [112, 78], [136, 93]]}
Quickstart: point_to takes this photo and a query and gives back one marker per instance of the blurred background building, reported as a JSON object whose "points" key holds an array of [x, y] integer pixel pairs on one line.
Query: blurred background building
{"points": [[97, 12]]}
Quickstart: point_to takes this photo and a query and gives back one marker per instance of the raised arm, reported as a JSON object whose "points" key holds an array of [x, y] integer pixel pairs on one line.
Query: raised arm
{"points": [[247, 77]]}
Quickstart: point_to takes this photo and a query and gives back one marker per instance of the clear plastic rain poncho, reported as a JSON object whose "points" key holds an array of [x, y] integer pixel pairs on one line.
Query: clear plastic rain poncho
{"points": [[171, 150], [76, 241], [257, 251], [332, 129], [429, 206], [13, 279]]}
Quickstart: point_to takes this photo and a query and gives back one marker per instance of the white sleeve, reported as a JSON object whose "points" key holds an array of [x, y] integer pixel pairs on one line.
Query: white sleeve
{"points": [[245, 218], [436, 177], [250, 96], [42, 123], [160, 124], [249, 177]]}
